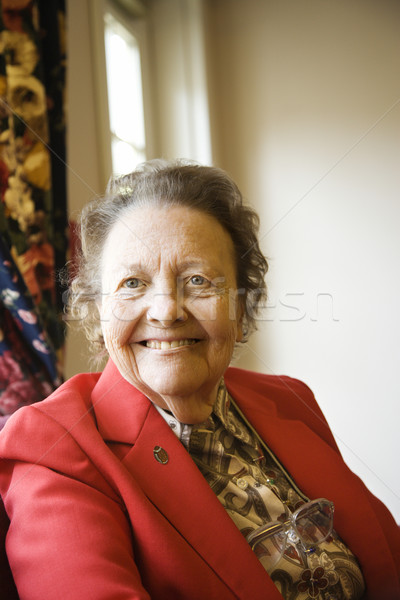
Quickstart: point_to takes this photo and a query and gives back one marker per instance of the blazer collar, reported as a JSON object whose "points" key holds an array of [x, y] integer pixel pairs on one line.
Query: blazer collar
{"points": [[120, 409]]}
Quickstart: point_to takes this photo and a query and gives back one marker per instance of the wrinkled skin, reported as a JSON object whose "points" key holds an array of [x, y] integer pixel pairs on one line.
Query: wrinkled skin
{"points": [[169, 309]]}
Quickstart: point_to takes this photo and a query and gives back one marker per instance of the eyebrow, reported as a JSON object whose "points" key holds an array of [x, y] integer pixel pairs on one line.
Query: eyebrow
{"points": [[129, 268], [191, 264], [141, 268]]}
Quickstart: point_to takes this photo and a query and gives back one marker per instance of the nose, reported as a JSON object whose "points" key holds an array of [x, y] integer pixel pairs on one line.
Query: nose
{"points": [[166, 307]]}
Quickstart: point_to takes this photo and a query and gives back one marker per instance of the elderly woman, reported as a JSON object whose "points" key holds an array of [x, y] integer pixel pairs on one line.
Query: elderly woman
{"points": [[171, 475]]}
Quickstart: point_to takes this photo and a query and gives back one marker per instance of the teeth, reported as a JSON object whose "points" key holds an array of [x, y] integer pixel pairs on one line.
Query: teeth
{"points": [[156, 345]]}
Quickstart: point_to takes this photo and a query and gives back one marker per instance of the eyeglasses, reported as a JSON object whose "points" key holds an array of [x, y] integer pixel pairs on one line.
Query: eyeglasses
{"points": [[308, 526]]}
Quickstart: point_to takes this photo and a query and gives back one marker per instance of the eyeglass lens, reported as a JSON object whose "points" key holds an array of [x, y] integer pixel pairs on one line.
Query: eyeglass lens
{"points": [[310, 525], [313, 523]]}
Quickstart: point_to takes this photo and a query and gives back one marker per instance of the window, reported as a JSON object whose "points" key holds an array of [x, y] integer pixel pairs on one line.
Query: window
{"points": [[125, 95]]}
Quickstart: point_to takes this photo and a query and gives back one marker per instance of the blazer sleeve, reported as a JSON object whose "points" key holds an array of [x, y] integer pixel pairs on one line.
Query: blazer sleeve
{"points": [[68, 536]]}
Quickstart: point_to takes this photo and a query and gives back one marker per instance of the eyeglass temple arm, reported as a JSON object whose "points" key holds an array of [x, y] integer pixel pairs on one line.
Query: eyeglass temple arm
{"points": [[254, 537], [313, 509]]}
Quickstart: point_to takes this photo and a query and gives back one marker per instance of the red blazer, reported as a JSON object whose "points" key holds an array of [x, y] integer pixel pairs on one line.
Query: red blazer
{"points": [[93, 520]]}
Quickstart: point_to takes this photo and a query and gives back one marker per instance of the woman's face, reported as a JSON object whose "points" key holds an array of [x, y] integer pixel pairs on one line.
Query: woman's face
{"points": [[169, 308]]}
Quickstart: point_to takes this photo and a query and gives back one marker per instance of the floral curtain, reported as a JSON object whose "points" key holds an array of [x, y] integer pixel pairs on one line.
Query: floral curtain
{"points": [[33, 215]]}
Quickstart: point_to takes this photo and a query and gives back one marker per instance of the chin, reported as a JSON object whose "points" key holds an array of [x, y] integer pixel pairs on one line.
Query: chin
{"points": [[191, 415], [189, 401], [180, 382], [173, 389]]}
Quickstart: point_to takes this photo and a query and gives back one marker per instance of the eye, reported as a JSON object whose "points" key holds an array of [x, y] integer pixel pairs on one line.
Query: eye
{"points": [[132, 283], [197, 280]]}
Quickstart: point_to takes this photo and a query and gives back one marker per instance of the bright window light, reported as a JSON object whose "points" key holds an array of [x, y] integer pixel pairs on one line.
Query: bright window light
{"points": [[125, 96]]}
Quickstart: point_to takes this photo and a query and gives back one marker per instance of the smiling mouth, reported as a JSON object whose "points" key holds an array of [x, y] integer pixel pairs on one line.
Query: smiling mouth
{"points": [[165, 345]]}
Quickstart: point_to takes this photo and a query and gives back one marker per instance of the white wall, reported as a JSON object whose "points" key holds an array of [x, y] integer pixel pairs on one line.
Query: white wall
{"points": [[306, 116]]}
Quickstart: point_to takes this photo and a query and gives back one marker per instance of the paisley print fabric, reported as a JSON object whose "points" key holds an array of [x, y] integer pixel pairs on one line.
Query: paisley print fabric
{"points": [[255, 489]]}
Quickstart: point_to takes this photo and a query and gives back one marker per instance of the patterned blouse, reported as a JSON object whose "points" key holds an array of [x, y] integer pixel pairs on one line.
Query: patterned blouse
{"points": [[255, 489]]}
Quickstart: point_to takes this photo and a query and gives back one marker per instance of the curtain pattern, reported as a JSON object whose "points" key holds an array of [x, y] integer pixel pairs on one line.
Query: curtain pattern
{"points": [[33, 213]]}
